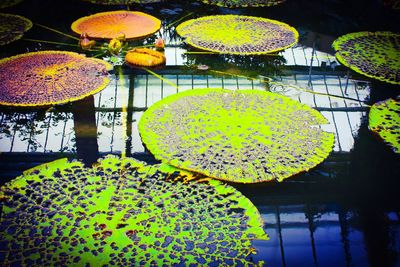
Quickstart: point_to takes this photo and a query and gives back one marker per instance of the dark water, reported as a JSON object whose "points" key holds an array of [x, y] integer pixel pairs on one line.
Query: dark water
{"points": [[345, 212]]}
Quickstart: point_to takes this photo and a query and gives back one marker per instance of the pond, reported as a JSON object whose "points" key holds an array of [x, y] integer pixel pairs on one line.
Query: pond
{"points": [[343, 212]]}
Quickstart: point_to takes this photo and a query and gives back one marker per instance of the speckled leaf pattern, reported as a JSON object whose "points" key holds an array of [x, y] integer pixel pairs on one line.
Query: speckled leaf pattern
{"points": [[238, 34], [12, 27], [373, 54], [50, 77], [244, 3], [126, 213], [111, 24], [244, 136], [384, 119]]}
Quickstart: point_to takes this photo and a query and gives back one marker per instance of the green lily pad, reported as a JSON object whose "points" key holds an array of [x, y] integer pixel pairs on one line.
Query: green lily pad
{"points": [[12, 27], [244, 3], [244, 136], [384, 119], [126, 213], [238, 34], [373, 54]]}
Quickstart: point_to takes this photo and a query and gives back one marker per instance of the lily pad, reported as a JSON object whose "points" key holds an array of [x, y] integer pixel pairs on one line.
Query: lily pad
{"points": [[12, 27], [126, 213], [50, 77], [384, 119], [244, 136], [373, 54], [238, 34], [244, 3], [111, 24]]}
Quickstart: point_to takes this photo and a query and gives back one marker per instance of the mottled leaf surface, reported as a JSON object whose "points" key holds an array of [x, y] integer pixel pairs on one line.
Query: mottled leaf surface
{"points": [[244, 136], [373, 54], [50, 77], [384, 119], [123, 212], [238, 34]]}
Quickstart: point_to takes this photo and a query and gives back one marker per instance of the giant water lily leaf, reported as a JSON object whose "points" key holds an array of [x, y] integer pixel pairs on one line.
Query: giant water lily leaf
{"points": [[50, 77], [237, 34], [126, 213], [244, 136], [373, 54], [384, 119], [7, 3], [112, 24], [12, 27], [244, 3]]}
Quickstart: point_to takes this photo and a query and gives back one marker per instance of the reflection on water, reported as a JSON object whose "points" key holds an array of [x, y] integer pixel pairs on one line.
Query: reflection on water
{"points": [[345, 212], [118, 108], [320, 235], [87, 148], [250, 66]]}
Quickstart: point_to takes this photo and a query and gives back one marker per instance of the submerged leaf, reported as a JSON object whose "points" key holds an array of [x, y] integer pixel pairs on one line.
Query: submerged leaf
{"points": [[12, 27]]}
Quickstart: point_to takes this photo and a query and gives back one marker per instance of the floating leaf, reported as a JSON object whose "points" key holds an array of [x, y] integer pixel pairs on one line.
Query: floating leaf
{"points": [[50, 77], [237, 34], [7, 3], [244, 136], [12, 27], [384, 119], [244, 3], [144, 57], [373, 54], [126, 213], [109, 25]]}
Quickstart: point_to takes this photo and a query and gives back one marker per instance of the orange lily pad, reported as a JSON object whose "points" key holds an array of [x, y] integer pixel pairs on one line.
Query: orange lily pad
{"points": [[109, 25]]}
